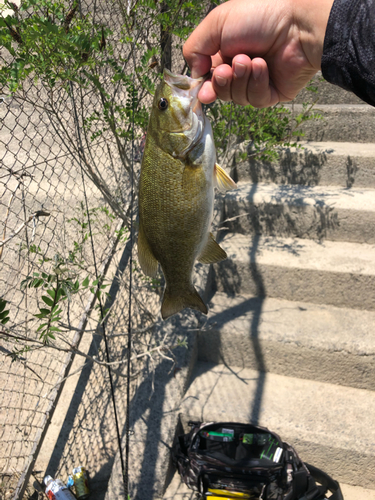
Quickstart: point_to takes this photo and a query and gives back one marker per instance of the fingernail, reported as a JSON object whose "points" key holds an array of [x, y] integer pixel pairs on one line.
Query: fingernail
{"points": [[256, 72], [221, 81], [239, 70]]}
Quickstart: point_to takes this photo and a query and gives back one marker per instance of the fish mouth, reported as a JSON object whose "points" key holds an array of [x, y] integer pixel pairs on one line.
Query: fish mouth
{"points": [[186, 87], [184, 82]]}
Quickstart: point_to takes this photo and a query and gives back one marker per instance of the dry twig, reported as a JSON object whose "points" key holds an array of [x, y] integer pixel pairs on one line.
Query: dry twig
{"points": [[38, 213]]}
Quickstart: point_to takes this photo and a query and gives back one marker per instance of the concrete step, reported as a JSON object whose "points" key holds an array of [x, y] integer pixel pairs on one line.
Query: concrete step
{"points": [[345, 164], [326, 93], [336, 273], [333, 213], [179, 491], [339, 123], [317, 342], [329, 425]]}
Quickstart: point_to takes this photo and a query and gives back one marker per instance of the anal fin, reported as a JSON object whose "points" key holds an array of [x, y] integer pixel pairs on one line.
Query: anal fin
{"points": [[212, 252], [146, 258], [222, 180]]}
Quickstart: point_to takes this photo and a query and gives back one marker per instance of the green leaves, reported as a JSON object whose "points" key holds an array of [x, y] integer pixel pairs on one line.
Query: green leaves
{"points": [[63, 278], [51, 49], [4, 313], [61, 46], [148, 55], [49, 315], [260, 130], [47, 300], [37, 280], [85, 282], [122, 234], [56, 286], [183, 342]]}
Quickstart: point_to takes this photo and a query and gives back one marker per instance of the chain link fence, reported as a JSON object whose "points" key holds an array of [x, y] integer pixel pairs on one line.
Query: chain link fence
{"points": [[71, 137], [42, 196], [53, 175]]}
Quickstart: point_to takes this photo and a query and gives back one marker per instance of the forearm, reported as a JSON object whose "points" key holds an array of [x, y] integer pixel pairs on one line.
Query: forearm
{"points": [[311, 19]]}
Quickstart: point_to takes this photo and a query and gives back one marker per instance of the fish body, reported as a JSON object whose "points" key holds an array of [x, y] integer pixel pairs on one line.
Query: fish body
{"points": [[176, 194]]}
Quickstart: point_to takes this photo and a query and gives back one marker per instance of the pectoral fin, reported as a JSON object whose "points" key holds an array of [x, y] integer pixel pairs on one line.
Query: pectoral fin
{"points": [[212, 252], [174, 303], [222, 180], [146, 258]]}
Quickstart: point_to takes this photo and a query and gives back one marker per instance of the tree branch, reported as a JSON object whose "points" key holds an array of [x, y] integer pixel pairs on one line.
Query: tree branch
{"points": [[38, 213]]}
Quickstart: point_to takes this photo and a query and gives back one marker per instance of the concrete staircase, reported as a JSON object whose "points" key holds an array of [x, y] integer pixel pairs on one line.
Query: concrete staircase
{"points": [[290, 338]]}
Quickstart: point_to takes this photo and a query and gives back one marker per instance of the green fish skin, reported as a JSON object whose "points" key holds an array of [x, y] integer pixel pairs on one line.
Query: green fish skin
{"points": [[176, 193]]}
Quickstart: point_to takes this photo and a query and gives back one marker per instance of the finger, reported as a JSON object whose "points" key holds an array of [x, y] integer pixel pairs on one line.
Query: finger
{"points": [[217, 60], [260, 93], [203, 43], [241, 73], [221, 82], [207, 93]]}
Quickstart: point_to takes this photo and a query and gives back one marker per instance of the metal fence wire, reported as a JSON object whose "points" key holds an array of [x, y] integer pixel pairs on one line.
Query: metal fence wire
{"points": [[43, 220]]}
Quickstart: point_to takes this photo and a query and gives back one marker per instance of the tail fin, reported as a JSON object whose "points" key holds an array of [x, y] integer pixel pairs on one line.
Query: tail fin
{"points": [[173, 303]]}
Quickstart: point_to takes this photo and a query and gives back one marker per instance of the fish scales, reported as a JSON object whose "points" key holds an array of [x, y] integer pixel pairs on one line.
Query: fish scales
{"points": [[175, 201], [176, 192]]}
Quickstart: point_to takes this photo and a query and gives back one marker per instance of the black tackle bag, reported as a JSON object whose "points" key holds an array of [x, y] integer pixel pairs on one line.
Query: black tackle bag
{"points": [[234, 460]]}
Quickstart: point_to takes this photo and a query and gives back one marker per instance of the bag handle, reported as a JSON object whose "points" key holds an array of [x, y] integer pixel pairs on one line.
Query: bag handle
{"points": [[326, 480]]}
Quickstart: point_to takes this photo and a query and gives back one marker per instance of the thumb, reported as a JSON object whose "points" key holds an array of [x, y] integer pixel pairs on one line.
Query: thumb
{"points": [[203, 43]]}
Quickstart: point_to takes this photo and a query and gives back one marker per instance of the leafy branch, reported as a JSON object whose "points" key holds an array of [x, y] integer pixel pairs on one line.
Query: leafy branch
{"points": [[57, 287], [253, 132], [4, 313]]}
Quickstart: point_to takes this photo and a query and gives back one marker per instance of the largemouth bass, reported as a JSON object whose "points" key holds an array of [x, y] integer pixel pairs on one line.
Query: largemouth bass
{"points": [[176, 194]]}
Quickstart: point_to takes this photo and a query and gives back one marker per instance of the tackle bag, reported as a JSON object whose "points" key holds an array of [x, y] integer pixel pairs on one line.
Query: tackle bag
{"points": [[233, 460]]}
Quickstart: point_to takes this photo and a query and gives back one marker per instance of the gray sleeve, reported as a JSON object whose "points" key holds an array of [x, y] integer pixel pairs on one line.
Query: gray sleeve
{"points": [[349, 48]]}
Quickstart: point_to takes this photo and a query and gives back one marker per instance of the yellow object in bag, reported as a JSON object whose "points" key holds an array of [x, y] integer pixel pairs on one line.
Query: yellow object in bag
{"points": [[227, 495], [221, 498]]}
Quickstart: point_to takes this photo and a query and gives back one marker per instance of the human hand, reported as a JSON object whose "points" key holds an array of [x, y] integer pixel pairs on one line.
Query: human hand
{"points": [[260, 51]]}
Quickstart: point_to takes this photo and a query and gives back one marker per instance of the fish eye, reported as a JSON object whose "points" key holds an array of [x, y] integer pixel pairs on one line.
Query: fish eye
{"points": [[163, 104]]}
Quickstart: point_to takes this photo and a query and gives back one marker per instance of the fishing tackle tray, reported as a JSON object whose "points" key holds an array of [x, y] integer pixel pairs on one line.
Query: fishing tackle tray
{"points": [[235, 460]]}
